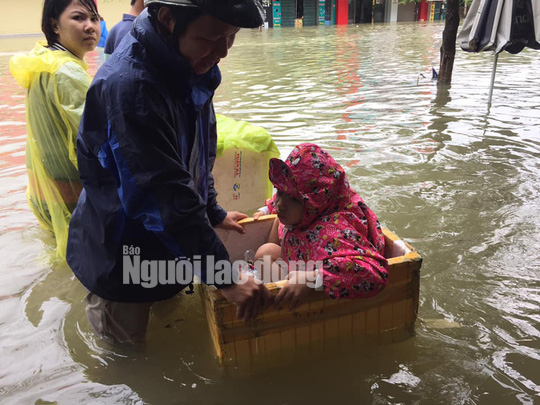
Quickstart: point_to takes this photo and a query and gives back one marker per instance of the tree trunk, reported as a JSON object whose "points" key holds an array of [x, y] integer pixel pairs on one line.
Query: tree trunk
{"points": [[448, 47]]}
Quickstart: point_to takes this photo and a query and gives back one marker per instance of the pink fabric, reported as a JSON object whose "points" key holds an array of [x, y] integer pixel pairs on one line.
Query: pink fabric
{"points": [[337, 228]]}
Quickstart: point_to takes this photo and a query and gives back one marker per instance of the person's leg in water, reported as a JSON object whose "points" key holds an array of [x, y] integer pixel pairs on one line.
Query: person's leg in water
{"points": [[118, 322]]}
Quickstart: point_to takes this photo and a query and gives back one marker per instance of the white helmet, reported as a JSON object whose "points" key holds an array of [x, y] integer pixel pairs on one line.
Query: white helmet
{"points": [[240, 13]]}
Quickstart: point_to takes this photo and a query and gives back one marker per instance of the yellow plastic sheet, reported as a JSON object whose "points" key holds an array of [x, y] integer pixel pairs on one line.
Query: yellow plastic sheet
{"points": [[241, 168], [56, 83]]}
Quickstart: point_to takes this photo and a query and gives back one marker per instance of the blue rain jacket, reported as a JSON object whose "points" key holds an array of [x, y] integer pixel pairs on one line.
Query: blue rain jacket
{"points": [[146, 148]]}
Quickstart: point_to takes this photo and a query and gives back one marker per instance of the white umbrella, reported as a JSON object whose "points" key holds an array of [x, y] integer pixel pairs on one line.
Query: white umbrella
{"points": [[501, 25]]}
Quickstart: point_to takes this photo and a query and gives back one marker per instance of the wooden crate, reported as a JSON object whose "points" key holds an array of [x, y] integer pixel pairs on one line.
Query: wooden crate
{"points": [[388, 317]]}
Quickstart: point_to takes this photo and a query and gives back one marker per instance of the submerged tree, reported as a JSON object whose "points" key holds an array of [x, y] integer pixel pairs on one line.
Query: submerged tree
{"points": [[448, 47]]}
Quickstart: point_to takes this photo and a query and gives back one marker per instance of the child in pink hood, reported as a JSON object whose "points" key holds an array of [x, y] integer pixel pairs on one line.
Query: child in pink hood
{"points": [[323, 219]]}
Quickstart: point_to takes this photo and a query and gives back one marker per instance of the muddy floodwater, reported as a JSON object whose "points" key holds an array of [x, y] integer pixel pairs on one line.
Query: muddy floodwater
{"points": [[458, 180]]}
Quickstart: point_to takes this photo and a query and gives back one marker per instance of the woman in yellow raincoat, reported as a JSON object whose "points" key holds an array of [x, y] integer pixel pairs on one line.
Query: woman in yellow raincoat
{"points": [[57, 80]]}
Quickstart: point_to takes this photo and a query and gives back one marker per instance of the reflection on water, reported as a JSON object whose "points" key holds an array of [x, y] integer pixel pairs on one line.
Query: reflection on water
{"points": [[455, 179]]}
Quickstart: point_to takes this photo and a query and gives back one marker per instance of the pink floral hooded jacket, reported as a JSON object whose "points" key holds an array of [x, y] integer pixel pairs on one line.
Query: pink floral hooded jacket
{"points": [[337, 228]]}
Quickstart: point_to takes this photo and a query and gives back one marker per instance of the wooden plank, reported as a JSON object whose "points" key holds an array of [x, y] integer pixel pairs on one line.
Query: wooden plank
{"points": [[372, 321], [399, 313], [272, 343], [410, 312], [345, 329], [416, 294], [228, 354], [259, 355], [215, 332], [243, 353], [319, 319], [385, 317], [302, 346], [331, 328], [359, 324], [227, 311], [288, 339], [316, 332], [333, 309], [317, 309], [215, 335], [400, 273], [303, 335], [259, 349]]}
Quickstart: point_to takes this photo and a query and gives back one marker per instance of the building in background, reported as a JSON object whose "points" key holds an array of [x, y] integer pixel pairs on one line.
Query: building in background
{"points": [[431, 10], [291, 13]]}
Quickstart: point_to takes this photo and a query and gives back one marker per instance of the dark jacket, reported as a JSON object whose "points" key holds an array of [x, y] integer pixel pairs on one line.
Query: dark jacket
{"points": [[118, 32], [146, 148]]}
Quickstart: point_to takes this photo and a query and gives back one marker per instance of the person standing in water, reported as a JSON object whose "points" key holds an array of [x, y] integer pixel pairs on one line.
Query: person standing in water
{"points": [[146, 149], [56, 78]]}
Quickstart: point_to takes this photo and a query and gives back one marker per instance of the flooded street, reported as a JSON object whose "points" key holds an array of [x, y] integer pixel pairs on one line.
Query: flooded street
{"points": [[454, 178]]}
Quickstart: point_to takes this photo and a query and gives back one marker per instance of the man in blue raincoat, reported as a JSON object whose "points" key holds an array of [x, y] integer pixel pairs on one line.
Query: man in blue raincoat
{"points": [[146, 148]]}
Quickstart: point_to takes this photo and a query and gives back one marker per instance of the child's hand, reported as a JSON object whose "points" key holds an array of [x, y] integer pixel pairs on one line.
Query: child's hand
{"points": [[296, 290], [257, 215], [231, 222]]}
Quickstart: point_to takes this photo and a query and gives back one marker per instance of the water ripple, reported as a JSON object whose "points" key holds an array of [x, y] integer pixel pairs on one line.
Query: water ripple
{"points": [[456, 178]]}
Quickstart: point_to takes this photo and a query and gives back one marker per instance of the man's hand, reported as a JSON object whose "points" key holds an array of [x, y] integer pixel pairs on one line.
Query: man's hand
{"points": [[295, 291], [250, 298], [231, 222]]}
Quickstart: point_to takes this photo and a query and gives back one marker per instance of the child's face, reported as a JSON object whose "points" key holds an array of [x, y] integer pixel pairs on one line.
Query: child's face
{"points": [[289, 210]]}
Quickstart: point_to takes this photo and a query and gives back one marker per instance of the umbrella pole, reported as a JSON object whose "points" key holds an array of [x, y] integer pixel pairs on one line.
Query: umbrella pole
{"points": [[493, 78]]}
